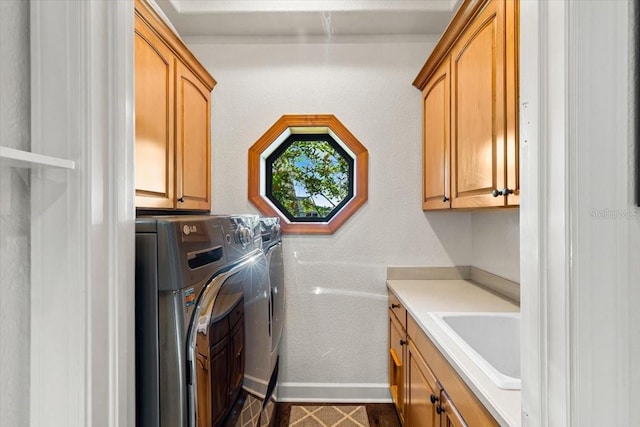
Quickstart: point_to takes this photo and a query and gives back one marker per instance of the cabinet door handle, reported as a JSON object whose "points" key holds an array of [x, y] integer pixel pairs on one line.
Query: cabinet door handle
{"points": [[433, 398], [181, 199], [445, 199], [439, 409], [403, 342], [504, 192], [395, 306]]}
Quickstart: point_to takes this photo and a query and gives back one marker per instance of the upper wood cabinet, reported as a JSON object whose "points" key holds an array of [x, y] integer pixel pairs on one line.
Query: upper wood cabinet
{"points": [[155, 138], [436, 129], [193, 127], [470, 103], [172, 110]]}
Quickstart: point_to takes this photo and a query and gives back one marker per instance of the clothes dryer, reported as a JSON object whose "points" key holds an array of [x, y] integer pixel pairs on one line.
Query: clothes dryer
{"points": [[199, 280]]}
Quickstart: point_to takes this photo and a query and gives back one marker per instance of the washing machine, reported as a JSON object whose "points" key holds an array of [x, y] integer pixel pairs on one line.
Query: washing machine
{"points": [[271, 237], [202, 298]]}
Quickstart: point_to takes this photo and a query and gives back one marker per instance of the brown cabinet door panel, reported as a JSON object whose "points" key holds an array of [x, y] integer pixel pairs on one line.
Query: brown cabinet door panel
{"points": [[397, 337], [436, 140], [193, 185], [512, 12], [449, 415], [478, 111], [154, 109], [420, 409]]}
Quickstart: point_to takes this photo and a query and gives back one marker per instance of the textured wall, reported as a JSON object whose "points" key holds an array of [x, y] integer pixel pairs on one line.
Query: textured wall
{"points": [[336, 326], [14, 216], [496, 242]]}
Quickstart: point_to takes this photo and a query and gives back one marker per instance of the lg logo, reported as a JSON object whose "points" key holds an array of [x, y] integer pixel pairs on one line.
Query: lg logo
{"points": [[188, 229]]}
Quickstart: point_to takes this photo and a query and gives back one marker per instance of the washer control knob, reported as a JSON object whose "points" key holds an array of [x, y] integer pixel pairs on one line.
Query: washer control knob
{"points": [[244, 235]]}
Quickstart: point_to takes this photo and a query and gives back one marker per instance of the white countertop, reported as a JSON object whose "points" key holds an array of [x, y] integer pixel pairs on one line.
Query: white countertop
{"points": [[420, 297]]}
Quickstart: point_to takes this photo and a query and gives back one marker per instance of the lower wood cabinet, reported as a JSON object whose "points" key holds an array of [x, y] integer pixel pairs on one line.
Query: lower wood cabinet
{"points": [[449, 415], [397, 354], [423, 385], [423, 392]]}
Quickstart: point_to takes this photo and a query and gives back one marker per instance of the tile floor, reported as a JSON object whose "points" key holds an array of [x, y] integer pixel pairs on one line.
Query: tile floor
{"points": [[328, 416], [252, 412], [376, 414]]}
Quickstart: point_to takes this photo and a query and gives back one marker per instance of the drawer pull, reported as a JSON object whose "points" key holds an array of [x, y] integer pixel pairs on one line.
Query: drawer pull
{"points": [[433, 398], [395, 358], [403, 342], [395, 306]]}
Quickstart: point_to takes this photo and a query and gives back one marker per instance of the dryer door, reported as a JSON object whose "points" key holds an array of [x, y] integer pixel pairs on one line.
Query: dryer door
{"points": [[216, 347], [276, 277]]}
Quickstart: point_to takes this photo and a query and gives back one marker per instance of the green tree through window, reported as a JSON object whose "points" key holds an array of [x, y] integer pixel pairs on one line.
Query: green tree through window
{"points": [[310, 178]]}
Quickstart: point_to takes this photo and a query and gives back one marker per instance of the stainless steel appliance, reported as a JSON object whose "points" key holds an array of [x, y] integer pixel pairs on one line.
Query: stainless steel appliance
{"points": [[272, 247], [262, 366], [202, 292]]}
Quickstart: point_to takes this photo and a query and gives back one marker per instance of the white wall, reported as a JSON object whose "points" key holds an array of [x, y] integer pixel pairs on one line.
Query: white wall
{"points": [[14, 216], [496, 242], [336, 326]]}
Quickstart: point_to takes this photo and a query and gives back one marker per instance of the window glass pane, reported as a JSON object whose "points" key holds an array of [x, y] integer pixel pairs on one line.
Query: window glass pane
{"points": [[311, 177]]}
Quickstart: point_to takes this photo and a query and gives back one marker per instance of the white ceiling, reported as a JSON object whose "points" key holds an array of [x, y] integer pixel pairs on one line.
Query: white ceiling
{"points": [[301, 19]]}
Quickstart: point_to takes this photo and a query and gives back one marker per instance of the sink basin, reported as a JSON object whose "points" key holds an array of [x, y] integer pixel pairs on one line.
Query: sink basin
{"points": [[492, 340]]}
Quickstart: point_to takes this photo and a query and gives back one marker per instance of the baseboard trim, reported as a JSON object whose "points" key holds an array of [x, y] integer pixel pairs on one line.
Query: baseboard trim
{"points": [[334, 392]]}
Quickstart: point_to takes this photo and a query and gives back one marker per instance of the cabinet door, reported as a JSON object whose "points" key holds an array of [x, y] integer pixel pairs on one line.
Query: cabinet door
{"points": [[423, 392], [436, 143], [154, 110], [512, 11], [219, 379], [449, 416], [478, 111], [237, 360], [397, 337], [193, 168]]}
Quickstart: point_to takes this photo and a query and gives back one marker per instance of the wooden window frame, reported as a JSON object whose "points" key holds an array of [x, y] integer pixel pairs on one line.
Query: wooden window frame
{"points": [[275, 136]]}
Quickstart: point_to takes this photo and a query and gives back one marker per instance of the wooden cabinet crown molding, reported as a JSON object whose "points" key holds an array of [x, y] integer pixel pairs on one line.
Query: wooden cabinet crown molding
{"points": [[147, 13], [465, 14]]}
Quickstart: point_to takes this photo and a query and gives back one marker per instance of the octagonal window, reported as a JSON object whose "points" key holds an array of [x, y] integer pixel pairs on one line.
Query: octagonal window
{"points": [[310, 171], [309, 177]]}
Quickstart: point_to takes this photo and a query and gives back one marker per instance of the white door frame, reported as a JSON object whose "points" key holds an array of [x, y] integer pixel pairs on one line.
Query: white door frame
{"points": [[82, 232], [577, 277]]}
